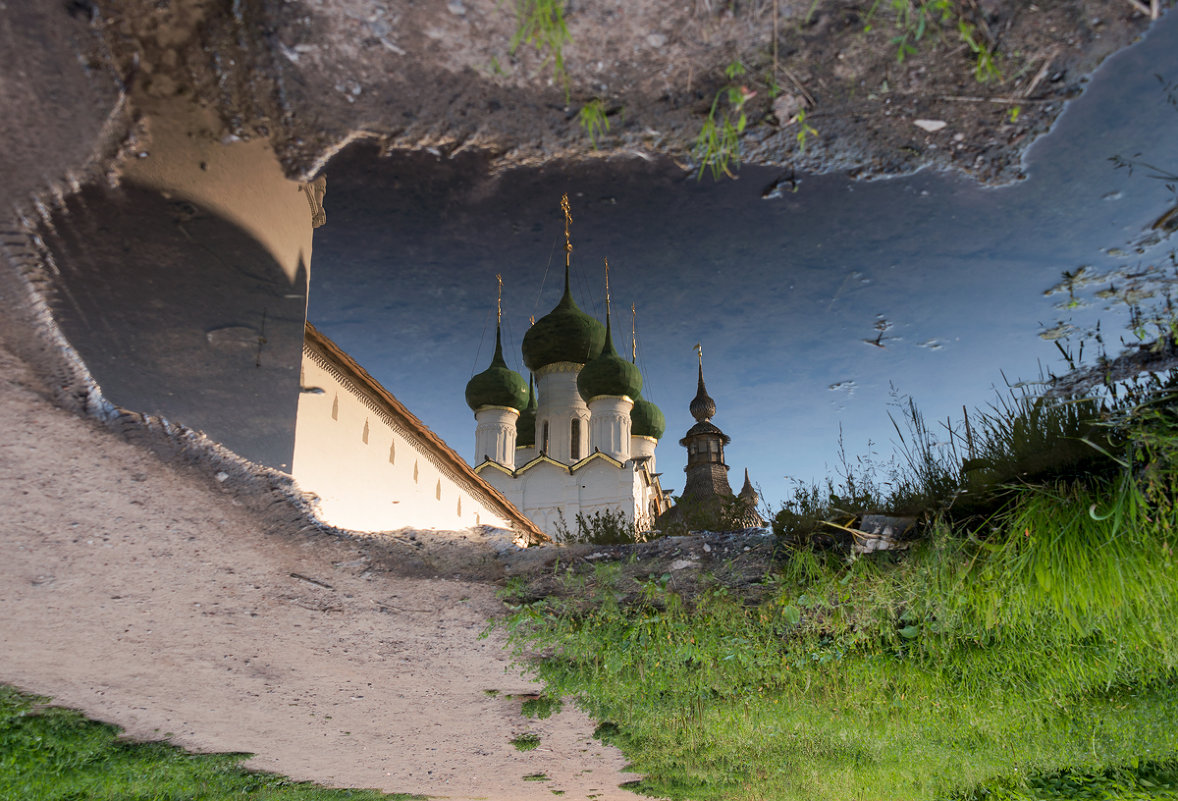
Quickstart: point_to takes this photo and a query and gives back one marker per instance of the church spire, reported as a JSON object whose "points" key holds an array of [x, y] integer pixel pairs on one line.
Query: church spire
{"points": [[497, 360], [702, 406]]}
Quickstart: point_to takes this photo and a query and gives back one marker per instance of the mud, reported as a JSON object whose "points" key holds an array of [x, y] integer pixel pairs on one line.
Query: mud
{"points": [[444, 76]]}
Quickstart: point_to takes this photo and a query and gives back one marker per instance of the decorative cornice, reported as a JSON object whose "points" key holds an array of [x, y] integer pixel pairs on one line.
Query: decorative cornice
{"points": [[344, 369], [492, 463], [598, 455], [541, 459]]}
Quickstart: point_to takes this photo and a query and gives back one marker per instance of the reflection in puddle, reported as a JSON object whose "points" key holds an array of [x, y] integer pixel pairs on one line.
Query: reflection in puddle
{"points": [[183, 289], [180, 313]]}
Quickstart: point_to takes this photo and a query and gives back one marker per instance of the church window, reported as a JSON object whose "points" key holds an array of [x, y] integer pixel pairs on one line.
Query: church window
{"points": [[335, 408], [460, 507], [544, 439], [364, 434], [415, 472], [393, 452], [575, 445], [438, 490]]}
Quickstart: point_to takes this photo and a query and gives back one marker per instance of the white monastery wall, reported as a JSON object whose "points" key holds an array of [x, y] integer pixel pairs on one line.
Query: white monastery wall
{"points": [[370, 472], [548, 494]]}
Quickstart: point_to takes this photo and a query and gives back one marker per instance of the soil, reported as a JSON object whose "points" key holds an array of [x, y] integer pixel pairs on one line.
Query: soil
{"points": [[150, 595], [445, 76]]}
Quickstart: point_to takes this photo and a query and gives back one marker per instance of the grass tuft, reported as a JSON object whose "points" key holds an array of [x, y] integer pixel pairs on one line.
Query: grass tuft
{"points": [[526, 742], [53, 754]]}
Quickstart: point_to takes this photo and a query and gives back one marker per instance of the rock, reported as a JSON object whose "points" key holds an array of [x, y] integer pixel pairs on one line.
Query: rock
{"points": [[932, 126], [786, 107]]}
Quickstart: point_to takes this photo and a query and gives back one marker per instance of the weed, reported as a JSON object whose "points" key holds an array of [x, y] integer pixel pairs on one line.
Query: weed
{"points": [[541, 23], [718, 144], [526, 742], [985, 65], [593, 119], [913, 18], [603, 527], [536, 777], [805, 130]]}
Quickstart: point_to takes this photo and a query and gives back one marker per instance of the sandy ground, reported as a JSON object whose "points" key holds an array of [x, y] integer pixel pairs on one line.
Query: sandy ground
{"points": [[146, 596]]}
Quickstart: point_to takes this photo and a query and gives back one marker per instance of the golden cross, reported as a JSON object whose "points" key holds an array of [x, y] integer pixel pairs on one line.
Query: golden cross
{"points": [[606, 286], [633, 332], [568, 220], [699, 348], [499, 302]]}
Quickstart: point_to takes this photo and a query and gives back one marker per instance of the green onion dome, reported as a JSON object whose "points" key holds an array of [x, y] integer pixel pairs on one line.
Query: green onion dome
{"points": [[525, 426], [498, 385], [565, 334], [646, 419], [609, 373]]}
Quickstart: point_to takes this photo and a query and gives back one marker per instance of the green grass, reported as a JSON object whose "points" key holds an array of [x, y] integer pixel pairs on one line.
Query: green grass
{"points": [[541, 23], [53, 754], [593, 119], [1026, 652], [542, 707], [526, 742]]}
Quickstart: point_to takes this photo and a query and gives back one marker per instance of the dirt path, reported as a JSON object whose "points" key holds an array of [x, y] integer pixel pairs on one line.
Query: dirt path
{"points": [[141, 595]]}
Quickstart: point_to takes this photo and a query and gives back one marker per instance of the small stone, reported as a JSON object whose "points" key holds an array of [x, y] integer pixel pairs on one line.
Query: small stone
{"points": [[931, 126], [222, 476], [786, 108], [707, 548], [456, 8], [656, 40]]}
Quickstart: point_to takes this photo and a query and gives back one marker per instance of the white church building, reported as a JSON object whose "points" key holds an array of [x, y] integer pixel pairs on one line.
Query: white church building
{"points": [[577, 440]]}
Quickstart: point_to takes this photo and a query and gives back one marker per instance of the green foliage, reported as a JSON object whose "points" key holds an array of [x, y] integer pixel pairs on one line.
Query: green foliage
{"points": [[805, 130], [603, 527], [593, 119], [526, 742], [985, 67], [913, 20], [1030, 654], [542, 707], [718, 144], [53, 754], [541, 23], [1137, 781]]}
